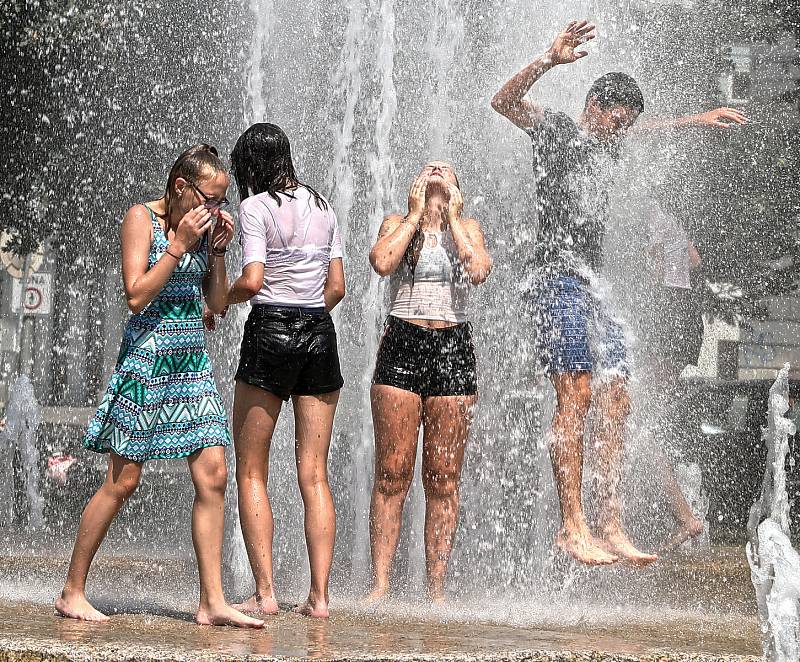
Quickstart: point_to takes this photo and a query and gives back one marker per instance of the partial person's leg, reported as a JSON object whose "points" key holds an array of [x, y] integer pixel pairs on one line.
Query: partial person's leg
{"points": [[121, 481], [396, 417], [573, 394], [255, 413], [686, 524], [313, 416], [612, 405], [210, 478], [447, 421]]}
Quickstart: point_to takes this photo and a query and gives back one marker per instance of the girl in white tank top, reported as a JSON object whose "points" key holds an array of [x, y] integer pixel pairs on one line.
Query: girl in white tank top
{"points": [[425, 372], [436, 288]]}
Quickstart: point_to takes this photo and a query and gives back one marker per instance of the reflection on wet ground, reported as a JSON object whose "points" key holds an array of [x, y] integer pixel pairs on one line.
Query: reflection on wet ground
{"points": [[706, 609]]}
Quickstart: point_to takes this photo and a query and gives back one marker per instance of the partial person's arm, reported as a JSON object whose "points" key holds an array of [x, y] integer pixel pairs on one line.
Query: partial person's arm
{"points": [[510, 99], [143, 284], [334, 284], [694, 256], [246, 286], [719, 118], [397, 232], [469, 241], [253, 232], [394, 237], [334, 289], [215, 284]]}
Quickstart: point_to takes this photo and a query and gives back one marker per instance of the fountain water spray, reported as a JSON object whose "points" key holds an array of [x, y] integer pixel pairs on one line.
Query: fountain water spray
{"points": [[774, 563], [381, 194], [263, 12], [19, 436]]}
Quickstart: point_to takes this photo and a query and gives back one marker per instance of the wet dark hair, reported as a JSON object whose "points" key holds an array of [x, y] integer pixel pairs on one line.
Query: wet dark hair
{"points": [[616, 89], [262, 162], [194, 164]]}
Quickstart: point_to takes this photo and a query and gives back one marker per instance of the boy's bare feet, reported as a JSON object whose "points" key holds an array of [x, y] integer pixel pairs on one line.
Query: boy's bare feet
{"points": [[225, 615], [584, 547], [258, 604], [75, 605], [616, 542]]}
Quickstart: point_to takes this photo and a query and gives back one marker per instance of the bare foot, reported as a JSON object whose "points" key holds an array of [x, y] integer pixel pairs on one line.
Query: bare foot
{"points": [[75, 605], [314, 609], [436, 593], [616, 542], [377, 594], [584, 548], [226, 615], [257, 604], [683, 531]]}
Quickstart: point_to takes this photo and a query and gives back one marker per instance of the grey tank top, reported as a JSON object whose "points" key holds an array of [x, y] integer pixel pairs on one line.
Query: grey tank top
{"points": [[436, 289]]}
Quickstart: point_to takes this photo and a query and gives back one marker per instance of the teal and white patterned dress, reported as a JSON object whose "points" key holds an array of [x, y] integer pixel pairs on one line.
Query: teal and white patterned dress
{"points": [[161, 401]]}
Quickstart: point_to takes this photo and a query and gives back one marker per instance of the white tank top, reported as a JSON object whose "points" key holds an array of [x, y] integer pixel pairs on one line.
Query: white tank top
{"points": [[436, 289]]}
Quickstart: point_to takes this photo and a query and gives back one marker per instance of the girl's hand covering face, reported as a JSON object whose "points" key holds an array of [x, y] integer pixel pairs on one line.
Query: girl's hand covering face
{"points": [[223, 231], [416, 194], [455, 204], [194, 224]]}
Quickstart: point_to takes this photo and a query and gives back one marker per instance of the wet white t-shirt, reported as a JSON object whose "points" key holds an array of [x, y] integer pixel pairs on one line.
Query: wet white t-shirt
{"points": [[295, 241]]}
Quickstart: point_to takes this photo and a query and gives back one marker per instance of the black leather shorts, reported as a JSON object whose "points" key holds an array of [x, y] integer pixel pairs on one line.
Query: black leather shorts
{"points": [[290, 351], [428, 362]]}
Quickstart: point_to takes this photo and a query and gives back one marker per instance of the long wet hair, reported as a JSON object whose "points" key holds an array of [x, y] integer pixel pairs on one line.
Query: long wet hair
{"points": [[262, 163], [196, 163]]}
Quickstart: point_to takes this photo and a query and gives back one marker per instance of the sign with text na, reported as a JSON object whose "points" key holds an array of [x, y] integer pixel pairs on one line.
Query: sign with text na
{"points": [[38, 294]]}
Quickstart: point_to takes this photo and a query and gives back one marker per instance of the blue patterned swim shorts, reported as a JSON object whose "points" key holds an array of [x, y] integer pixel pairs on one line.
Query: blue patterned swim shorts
{"points": [[573, 331]]}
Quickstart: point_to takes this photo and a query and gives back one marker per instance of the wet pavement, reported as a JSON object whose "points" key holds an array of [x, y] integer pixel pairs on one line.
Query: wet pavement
{"points": [[704, 612]]}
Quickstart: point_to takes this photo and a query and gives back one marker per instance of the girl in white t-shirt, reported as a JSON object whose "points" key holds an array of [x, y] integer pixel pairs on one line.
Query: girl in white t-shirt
{"points": [[292, 274]]}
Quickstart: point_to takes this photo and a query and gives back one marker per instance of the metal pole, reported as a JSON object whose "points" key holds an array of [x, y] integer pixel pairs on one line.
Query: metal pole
{"points": [[21, 316]]}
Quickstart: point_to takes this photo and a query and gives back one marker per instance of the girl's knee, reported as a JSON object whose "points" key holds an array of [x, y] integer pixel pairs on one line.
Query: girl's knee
{"points": [[311, 478], [390, 483], [440, 485], [123, 486], [213, 479]]}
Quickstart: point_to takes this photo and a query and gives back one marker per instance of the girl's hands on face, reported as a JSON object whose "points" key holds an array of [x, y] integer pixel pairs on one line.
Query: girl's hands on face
{"points": [[194, 224], [416, 195], [455, 203], [223, 231]]}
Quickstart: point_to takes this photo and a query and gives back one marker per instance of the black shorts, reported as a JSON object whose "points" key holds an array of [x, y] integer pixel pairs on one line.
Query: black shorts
{"points": [[290, 351], [428, 362]]}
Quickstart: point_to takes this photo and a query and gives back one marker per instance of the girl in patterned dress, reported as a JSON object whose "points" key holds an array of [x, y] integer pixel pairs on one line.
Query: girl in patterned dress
{"points": [[161, 401]]}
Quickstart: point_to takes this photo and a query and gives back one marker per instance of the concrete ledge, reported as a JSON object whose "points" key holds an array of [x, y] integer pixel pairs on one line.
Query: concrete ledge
{"points": [[31, 650]]}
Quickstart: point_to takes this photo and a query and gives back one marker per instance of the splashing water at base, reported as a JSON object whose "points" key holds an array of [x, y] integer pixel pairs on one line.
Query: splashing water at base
{"points": [[19, 437], [774, 563]]}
